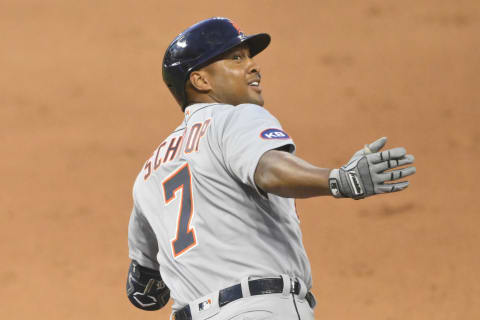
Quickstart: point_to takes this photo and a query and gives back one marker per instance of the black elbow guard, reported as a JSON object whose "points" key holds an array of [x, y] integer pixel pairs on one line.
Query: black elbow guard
{"points": [[145, 288]]}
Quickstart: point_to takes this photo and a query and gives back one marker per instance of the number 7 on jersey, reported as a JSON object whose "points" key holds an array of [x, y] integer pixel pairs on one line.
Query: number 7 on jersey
{"points": [[185, 237]]}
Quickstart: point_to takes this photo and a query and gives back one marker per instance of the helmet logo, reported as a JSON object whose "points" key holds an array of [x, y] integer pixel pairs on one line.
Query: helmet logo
{"points": [[236, 27], [182, 43]]}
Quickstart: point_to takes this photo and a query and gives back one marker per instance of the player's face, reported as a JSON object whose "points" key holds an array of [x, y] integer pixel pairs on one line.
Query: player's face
{"points": [[235, 78]]}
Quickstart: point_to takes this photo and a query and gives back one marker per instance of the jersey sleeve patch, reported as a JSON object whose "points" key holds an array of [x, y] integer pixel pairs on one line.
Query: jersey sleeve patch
{"points": [[273, 133]]}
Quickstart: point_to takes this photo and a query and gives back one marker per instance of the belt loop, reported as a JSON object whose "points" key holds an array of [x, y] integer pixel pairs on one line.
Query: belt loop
{"points": [[287, 287], [303, 289], [245, 287]]}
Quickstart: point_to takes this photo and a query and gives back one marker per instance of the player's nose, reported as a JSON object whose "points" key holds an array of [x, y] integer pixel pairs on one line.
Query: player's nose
{"points": [[253, 67]]}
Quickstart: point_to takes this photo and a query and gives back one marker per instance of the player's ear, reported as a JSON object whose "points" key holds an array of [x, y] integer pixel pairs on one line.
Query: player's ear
{"points": [[200, 81]]}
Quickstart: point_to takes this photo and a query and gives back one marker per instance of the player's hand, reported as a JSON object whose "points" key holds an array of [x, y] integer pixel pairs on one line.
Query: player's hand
{"points": [[145, 288], [366, 173], [154, 297]]}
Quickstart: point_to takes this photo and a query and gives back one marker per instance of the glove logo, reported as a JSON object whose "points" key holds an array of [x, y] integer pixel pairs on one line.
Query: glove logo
{"points": [[334, 187], [274, 134], [358, 190]]}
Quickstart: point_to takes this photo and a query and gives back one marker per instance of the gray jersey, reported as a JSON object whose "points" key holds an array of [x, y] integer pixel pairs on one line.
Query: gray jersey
{"points": [[198, 216]]}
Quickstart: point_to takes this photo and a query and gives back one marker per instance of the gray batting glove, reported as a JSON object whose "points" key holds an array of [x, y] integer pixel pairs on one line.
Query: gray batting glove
{"points": [[365, 174]]}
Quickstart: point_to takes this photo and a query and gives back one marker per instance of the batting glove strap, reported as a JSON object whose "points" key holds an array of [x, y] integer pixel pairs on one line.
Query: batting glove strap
{"points": [[352, 181], [334, 183]]}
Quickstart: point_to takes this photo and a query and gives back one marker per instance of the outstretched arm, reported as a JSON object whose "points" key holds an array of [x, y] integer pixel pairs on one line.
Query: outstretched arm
{"points": [[286, 175], [289, 176]]}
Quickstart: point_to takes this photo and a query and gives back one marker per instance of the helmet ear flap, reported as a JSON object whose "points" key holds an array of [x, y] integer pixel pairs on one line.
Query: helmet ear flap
{"points": [[174, 78]]}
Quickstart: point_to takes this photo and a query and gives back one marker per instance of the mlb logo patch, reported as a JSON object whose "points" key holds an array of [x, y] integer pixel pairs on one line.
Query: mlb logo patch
{"points": [[274, 134], [204, 305]]}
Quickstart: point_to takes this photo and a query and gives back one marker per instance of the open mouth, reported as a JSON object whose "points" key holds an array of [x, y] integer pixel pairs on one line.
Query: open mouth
{"points": [[255, 85]]}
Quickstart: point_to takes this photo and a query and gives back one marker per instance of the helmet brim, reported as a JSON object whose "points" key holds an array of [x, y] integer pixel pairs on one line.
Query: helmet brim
{"points": [[257, 43]]}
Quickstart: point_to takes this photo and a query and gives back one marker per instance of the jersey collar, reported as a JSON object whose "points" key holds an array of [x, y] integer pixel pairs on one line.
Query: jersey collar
{"points": [[191, 109]]}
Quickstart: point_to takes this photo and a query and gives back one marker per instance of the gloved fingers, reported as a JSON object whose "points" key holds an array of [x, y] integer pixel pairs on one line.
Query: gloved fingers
{"points": [[390, 164], [392, 187], [389, 154], [370, 148], [396, 174], [375, 146]]}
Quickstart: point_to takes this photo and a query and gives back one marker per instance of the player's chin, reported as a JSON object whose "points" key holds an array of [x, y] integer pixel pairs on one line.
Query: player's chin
{"points": [[255, 98]]}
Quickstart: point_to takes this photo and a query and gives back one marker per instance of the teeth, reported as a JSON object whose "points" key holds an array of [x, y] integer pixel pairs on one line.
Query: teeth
{"points": [[255, 83]]}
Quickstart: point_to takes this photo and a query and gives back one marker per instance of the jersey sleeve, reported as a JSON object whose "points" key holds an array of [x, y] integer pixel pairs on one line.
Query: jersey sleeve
{"points": [[247, 133], [142, 242]]}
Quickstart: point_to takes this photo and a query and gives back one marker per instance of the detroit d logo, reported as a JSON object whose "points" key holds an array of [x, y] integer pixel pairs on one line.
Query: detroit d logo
{"points": [[236, 27]]}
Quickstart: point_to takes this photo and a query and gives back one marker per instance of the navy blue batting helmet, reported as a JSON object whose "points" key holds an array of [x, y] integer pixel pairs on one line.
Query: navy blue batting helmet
{"points": [[199, 45]]}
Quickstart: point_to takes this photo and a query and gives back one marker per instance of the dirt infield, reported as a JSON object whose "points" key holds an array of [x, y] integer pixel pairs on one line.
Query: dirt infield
{"points": [[82, 106]]}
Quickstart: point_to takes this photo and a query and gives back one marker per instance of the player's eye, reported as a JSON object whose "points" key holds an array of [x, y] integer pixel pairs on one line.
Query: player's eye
{"points": [[237, 57]]}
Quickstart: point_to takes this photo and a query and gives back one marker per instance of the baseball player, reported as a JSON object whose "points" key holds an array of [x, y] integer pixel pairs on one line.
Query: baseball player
{"points": [[213, 222]]}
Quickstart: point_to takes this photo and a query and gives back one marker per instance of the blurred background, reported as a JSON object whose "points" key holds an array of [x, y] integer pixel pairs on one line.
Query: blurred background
{"points": [[83, 105]]}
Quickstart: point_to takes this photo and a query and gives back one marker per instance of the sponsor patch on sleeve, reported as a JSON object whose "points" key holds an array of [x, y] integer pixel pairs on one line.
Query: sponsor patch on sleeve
{"points": [[274, 134]]}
